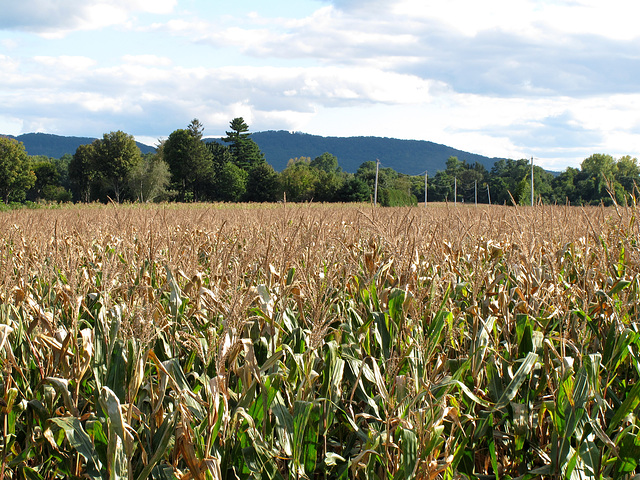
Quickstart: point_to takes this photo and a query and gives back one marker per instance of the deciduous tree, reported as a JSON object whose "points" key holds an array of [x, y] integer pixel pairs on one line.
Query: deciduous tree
{"points": [[262, 184], [190, 163], [83, 171], [326, 162], [150, 178], [16, 176], [116, 155]]}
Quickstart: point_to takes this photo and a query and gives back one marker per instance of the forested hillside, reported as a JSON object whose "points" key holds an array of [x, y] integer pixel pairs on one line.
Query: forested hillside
{"points": [[404, 156], [410, 157], [55, 146]]}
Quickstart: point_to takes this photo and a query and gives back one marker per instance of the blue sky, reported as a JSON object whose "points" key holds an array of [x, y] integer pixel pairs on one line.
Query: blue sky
{"points": [[552, 79]]}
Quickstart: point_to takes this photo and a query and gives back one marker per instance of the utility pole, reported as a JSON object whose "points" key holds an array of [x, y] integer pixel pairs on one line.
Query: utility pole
{"points": [[375, 193], [426, 180], [475, 191], [532, 181], [488, 194]]}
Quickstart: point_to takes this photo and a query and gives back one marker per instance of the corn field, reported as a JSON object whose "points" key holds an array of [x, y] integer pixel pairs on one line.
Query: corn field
{"points": [[313, 342]]}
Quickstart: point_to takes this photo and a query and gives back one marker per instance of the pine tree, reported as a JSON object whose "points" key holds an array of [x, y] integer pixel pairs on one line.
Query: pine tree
{"points": [[245, 151]]}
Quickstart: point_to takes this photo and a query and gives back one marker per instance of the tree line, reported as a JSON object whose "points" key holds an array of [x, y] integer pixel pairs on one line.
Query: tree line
{"points": [[186, 168]]}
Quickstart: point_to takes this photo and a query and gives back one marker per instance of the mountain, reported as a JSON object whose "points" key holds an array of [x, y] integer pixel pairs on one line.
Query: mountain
{"points": [[411, 157], [56, 146]]}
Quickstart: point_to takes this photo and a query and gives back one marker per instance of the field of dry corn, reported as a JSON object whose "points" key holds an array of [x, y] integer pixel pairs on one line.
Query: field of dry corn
{"points": [[308, 341]]}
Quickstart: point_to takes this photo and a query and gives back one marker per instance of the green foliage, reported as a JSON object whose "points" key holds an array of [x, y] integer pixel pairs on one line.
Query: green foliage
{"points": [[83, 172], [392, 197], [148, 181], [200, 171], [263, 184], [354, 189], [190, 163], [298, 180], [115, 156], [16, 176], [231, 183], [47, 179], [326, 162], [245, 152]]}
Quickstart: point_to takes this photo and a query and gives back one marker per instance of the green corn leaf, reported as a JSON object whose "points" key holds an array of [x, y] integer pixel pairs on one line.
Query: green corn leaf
{"points": [[590, 459], [284, 424], [409, 446], [61, 386], [618, 287], [379, 381], [118, 435], [117, 368], [621, 265], [435, 331], [435, 440], [79, 440], [111, 405], [450, 381], [629, 405], [180, 383], [480, 345], [628, 457], [271, 362], [524, 333], [382, 334], [165, 433], [591, 364], [570, 471], [305, 436], [161, 472], [496, 389], [396, 305], [30, 473], [540, 472], [616, 347], [518, 379], [492, 445]]}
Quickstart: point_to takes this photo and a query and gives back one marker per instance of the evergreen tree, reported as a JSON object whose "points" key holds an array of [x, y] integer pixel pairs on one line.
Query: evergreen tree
{"points": [[245, 151]]}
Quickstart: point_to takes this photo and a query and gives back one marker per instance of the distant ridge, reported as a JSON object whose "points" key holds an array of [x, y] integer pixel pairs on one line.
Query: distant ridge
{"points": [[411, 157], [56, 146]]}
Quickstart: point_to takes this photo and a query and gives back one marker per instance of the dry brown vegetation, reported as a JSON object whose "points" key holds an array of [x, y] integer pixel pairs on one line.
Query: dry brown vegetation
{"points": [[309, 341]]}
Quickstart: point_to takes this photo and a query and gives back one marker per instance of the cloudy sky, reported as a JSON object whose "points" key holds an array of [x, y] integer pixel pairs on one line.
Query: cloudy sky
{"points": [[554, 79]]}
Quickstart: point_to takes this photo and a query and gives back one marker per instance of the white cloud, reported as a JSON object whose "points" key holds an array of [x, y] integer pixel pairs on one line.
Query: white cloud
{"points": [[149, 96], [54, 19], [66, 62], [9, 43], [553, 79], [147, 60], [612, 19]]}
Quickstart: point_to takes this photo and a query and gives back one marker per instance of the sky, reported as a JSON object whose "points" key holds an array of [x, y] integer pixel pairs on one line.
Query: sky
{"points": [[556, 80]]}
